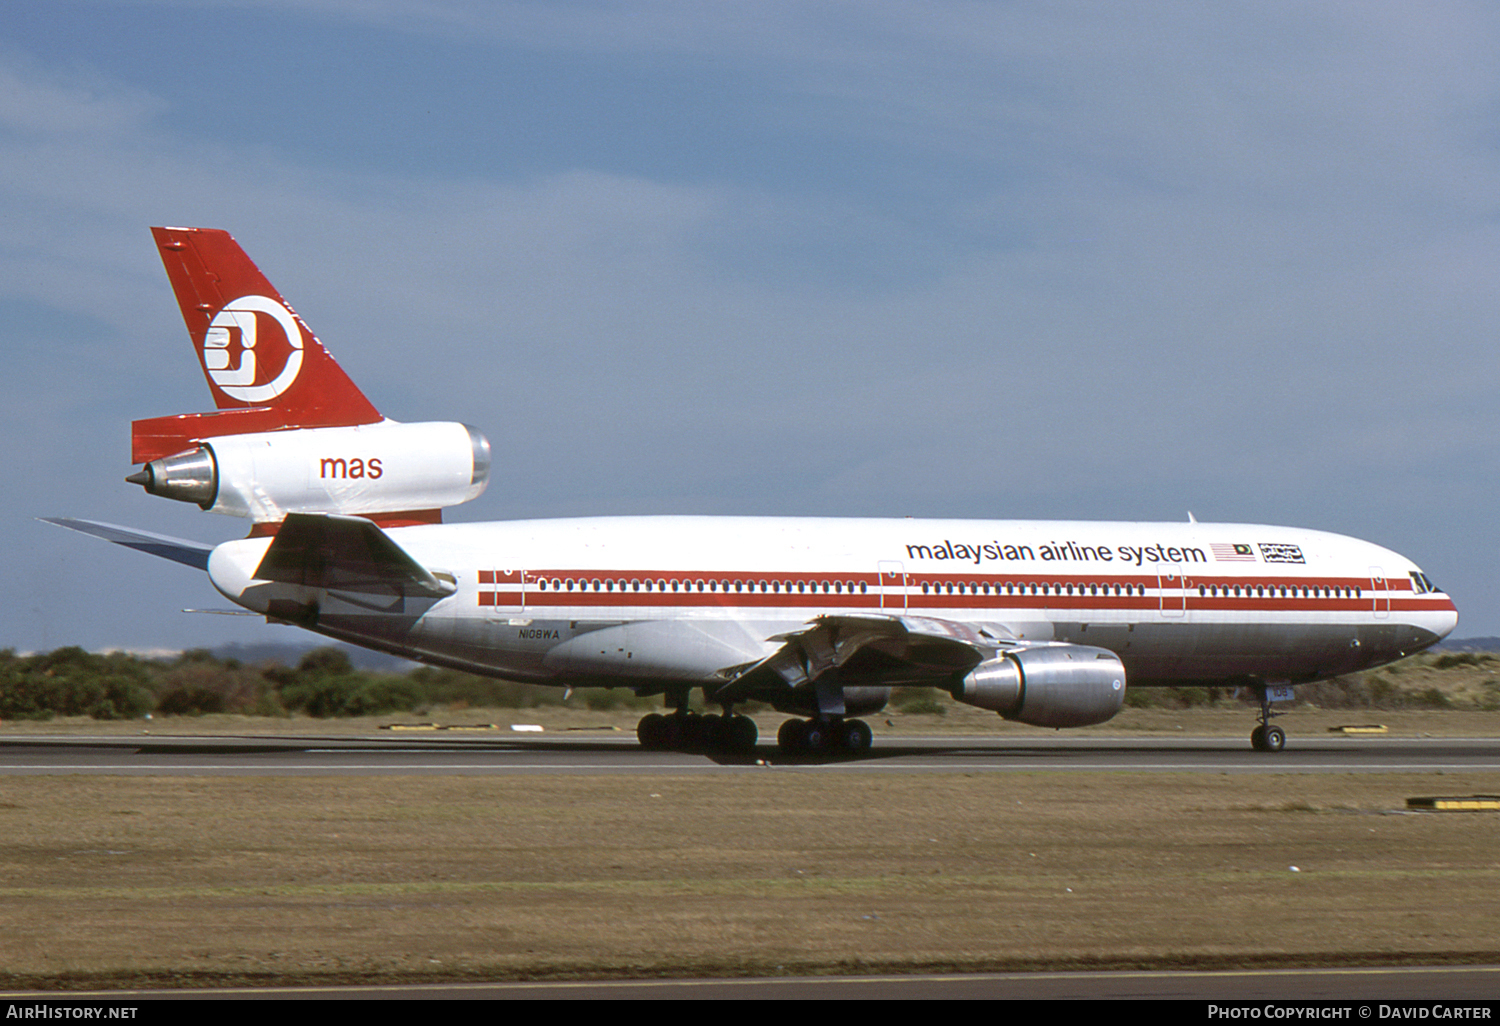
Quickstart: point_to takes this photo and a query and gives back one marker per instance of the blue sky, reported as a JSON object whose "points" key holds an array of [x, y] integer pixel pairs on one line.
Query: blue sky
{"points": [[1082, 260]]}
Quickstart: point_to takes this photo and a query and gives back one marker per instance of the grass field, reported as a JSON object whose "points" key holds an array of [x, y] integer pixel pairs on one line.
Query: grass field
{"points": [[199, 881]]}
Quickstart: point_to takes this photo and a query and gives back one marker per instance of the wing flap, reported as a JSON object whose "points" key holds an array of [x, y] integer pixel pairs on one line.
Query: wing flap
{"points": [[867, 651], [339, 553]]}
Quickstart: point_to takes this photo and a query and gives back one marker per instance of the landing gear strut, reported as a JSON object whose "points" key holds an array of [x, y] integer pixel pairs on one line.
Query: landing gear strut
{"points": [[1266, 737]]}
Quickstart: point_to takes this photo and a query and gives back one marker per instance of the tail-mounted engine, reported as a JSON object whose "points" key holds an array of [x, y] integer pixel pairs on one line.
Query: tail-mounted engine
{"points": [[384, 467], [1048, 685]]}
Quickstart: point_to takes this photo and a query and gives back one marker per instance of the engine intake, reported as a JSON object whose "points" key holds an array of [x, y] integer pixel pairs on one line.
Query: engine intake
{"points": [[1048, 685], [370, 468]]}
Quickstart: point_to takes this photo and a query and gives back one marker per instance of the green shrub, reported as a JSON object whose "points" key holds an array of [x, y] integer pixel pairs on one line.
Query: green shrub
{"points": [[919, 702], [190, 701], [352, 695], [72, 682]]}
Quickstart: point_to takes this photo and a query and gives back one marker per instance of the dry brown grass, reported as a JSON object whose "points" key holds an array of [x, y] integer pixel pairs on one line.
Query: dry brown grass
{"points": [[209, 880]]}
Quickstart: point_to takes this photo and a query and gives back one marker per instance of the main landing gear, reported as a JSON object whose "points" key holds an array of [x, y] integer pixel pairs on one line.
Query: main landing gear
{"points": [[1266, 737], [684, 731], [825, 736]]}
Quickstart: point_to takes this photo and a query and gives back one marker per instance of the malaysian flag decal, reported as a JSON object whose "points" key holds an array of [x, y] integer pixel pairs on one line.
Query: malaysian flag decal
{"points": [[1226, 553]]}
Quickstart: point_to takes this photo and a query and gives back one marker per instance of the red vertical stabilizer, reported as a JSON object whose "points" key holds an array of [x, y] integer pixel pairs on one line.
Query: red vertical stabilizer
{"points": [[265, 368]]}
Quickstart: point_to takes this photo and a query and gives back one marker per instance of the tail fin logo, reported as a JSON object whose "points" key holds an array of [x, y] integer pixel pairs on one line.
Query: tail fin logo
{"points": [[237, 321]]}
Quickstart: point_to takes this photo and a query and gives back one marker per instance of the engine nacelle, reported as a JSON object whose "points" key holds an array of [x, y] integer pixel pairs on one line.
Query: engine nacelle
{"points": [[1048, 685], [370, 468]]}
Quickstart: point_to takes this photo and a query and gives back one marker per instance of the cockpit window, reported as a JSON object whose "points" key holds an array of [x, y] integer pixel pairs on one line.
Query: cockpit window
{"points": [[1422, 584]]}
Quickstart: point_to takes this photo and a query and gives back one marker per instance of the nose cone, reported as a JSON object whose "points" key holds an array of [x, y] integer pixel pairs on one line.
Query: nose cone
{"points": [[1446, 621], [1431, 625]]}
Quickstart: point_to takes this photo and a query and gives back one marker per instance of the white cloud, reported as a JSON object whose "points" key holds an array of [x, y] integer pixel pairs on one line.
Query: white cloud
{"points": [[37, 103], [1245, 251]]}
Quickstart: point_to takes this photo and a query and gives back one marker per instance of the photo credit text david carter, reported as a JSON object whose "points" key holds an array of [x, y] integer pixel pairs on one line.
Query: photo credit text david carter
{"points": [[1363, 1010]]}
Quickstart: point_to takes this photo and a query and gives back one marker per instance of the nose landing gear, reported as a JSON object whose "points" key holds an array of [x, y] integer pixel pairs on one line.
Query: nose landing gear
{"points": [[1266, 737]]}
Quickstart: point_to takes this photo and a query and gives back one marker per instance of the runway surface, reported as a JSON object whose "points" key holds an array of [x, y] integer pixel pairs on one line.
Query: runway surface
{"points": [[618, 753], [1400, 986]]}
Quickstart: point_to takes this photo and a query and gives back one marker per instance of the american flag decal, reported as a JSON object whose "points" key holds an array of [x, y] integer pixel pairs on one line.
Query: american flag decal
{"points": [[1226, 553]]}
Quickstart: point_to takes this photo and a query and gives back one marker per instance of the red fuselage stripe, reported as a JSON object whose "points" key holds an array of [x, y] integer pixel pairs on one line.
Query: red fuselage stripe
{"points": [[1146, 591]]}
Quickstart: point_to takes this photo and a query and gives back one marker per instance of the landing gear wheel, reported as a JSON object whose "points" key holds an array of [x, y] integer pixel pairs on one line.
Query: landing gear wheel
{"points": [[855, 736], [651, 732], [817, 738], [792, 736], [1273, 739], [1266, 738], [740, 734], [708, 732]]}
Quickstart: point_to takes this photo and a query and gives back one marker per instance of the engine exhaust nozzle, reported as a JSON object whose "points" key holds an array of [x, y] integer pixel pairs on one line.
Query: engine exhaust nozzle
{"points": [[191, 476]]}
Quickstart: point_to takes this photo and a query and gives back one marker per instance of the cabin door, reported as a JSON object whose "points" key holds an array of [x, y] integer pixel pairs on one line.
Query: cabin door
{"points": [[502, 592], [892, 586], [1173, 589], [1381, 588]]}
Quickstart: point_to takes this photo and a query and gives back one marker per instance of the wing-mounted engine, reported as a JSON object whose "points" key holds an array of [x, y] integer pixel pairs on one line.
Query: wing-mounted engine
{"points": [[365, 469], [1048, 685]]}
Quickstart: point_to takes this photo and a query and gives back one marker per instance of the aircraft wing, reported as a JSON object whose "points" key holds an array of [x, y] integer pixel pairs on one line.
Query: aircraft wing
{"points": [[325, 550], [869, 651], [189, 553]]}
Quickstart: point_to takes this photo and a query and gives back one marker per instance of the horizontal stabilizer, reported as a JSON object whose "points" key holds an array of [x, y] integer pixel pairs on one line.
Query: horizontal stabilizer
{"points": [[191, 553], [323, 550]]}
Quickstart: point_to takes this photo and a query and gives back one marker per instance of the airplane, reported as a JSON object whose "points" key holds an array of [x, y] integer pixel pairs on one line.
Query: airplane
{"points": [[1041, 622]]}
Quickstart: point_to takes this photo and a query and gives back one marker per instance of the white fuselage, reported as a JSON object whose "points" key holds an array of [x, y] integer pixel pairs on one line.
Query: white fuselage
{"points": [[646, 601]]}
